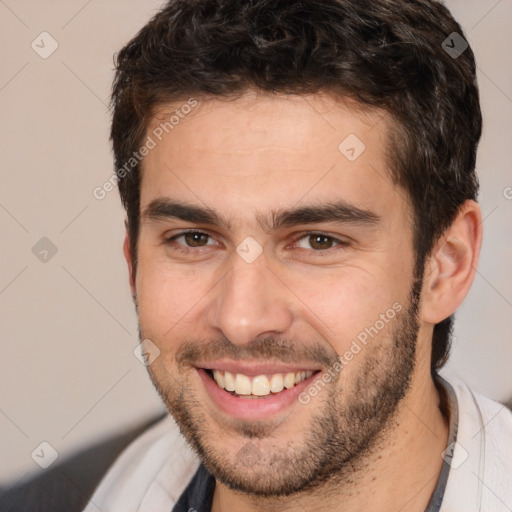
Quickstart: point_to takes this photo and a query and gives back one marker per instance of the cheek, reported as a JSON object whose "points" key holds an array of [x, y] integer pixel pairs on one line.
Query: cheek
{"points": [[169, 297], [349, 303]]}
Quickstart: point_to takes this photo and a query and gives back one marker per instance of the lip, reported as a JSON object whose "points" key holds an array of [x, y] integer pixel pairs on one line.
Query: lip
{"points": [[251, 409], [255, 369]]}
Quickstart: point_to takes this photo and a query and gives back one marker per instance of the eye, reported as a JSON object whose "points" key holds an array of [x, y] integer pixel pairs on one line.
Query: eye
{"points": [[191, 239], [319, 242]]}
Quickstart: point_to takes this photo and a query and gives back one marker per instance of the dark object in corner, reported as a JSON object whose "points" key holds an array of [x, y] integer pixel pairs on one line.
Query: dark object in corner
{"points": [[69, 486]]}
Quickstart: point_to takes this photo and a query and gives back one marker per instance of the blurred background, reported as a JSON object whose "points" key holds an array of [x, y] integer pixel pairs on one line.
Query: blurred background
{"points": [[68, 373]]}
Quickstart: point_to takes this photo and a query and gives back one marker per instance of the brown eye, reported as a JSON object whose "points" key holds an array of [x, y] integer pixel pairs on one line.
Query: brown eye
{"points": [[192, 243], [321, 242], [196, 239]]}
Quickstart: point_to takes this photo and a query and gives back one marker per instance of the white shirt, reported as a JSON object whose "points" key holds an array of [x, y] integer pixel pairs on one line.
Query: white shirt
{"points": [[153, 471]]}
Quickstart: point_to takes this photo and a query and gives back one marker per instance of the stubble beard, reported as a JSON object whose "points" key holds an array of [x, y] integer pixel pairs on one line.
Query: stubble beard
{"points": [[351, 421]]}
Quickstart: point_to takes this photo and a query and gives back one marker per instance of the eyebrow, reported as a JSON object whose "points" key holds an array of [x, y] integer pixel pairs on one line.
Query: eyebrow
{"points": [[340, 211]]}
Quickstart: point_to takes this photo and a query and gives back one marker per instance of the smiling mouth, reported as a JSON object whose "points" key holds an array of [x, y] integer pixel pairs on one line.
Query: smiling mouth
{"points": [[243, 386]]}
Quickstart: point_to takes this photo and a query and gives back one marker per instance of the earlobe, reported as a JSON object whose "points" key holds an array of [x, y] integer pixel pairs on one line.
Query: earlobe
{"points": [[451, 267]]}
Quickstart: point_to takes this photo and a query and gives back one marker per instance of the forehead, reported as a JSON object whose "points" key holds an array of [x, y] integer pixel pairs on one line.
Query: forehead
{"points": [[258, 151]]}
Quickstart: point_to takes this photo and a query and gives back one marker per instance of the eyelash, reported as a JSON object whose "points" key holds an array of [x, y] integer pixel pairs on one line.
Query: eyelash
{"points": [[339, 243], [182, 248]]}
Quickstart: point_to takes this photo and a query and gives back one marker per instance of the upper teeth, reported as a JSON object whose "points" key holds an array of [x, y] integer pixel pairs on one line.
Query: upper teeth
{"points": [[260, 385]]}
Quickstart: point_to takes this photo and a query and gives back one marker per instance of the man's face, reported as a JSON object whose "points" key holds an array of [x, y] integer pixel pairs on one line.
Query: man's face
{"points": [[300, 252]]}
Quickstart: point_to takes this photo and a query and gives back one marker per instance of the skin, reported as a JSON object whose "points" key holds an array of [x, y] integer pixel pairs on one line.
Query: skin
{"points": [[244, 159]]}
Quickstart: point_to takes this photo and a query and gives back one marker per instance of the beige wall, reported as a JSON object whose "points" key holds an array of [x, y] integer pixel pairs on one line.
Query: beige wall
{"points": [[68, 374]]}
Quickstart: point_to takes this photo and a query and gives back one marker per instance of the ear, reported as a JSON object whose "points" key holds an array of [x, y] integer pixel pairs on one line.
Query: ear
{"points": [[451, 266], [129, 261]]}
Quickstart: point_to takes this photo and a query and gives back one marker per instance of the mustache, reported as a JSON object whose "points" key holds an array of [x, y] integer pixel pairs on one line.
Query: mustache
{"points": [[264, 349]]}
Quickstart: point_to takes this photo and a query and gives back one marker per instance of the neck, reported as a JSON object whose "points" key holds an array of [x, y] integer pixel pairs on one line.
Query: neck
{"points": [[401, 471]]}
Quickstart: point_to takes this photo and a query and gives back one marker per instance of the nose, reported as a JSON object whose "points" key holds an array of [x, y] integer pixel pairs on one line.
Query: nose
{"points": [[250, 302]]}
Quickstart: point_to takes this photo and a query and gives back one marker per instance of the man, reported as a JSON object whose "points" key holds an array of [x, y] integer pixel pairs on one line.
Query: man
{"points": [[299, 181]]}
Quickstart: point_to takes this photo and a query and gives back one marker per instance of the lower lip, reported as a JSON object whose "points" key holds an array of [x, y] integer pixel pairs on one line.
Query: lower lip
{"points": [[253, 408]]}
